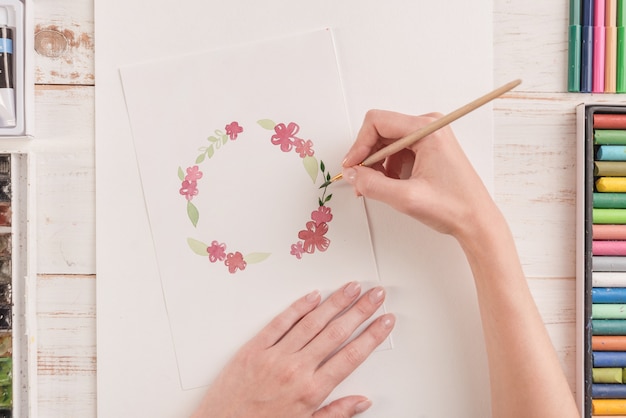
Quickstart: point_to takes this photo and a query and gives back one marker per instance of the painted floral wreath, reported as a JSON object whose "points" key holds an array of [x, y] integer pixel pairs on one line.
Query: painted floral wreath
{"points": [[312, 238]]}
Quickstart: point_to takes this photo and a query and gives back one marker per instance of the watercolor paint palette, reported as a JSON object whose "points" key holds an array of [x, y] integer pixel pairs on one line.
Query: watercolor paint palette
{"points": [[18, 356], [601, 260]]}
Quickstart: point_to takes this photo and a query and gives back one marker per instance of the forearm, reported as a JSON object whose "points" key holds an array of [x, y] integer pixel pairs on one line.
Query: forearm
{"points": [[525, 373]]}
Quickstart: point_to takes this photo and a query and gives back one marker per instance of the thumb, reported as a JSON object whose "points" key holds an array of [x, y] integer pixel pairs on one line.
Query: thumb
{"points": [[375, 185], [344, 407]]}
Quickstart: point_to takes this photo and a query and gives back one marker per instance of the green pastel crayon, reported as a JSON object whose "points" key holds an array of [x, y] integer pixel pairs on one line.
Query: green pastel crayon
{"points": [[609, 136], [609, 200], [608, 326], [609, 216], [621, 46], [608, 311], [607, 375]]}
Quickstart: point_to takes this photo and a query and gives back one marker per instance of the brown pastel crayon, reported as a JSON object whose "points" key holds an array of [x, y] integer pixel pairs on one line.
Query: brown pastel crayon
{"points": [[610, 168]]}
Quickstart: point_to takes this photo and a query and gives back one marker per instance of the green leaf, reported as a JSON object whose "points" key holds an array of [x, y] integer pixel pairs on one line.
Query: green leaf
{"points": [[197, 247], [192, 212], [181, 174], [320, 202], [200, 158], [253, 258], [328, 198], [213, 139], [310, 165], [267, 124], [328, 177], [210, 151], [224, 139], [322, 166]]}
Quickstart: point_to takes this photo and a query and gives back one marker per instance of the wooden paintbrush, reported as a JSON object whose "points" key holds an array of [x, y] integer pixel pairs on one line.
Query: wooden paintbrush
{"points": [[430, 128]]}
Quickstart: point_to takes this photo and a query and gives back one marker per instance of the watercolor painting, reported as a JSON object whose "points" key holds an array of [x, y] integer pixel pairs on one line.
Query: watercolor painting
{"points": [[239, 215], [313, 238]]}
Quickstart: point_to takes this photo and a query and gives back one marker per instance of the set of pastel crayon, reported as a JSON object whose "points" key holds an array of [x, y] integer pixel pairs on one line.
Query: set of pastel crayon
{"points": [[601, 260], [597, 46]]}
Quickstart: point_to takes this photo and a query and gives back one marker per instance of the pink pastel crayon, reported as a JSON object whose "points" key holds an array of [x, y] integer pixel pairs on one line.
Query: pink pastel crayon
{"points": [[608, 247], [599, 46]]}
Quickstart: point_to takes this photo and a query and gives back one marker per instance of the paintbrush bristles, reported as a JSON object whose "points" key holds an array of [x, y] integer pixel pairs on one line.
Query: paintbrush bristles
{"points": [[434, 126]]}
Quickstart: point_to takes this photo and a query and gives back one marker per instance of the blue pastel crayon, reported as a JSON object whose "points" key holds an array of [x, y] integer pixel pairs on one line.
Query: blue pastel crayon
{"points": [[608, 295], [609, 359], [586, 61], [611, 153], [608, 391]]}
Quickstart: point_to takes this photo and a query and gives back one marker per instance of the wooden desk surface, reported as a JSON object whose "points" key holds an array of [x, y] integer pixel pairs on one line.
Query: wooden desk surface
{"points": [[535, 183]]}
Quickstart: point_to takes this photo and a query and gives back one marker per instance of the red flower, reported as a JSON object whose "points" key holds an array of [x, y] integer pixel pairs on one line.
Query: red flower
{"points": [[297, 249], [314, 237], [217, 252], [235, 261], [303, 147], [189, 189], [284, 135], [233, 129], [193, 173], [321, 215]]}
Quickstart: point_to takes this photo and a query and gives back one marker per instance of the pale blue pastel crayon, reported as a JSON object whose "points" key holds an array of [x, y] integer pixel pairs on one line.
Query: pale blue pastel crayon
{"points": [[612, 153]]}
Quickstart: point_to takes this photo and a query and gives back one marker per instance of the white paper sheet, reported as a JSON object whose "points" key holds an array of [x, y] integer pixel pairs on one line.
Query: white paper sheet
{"points": [[408, 56], [231, 162]]}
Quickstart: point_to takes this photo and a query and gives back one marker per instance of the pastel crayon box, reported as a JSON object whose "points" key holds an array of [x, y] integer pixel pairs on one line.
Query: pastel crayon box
{"points": [[601, 260]]}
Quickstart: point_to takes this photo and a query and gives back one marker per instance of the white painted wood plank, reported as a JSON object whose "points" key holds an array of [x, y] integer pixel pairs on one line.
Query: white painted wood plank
{"points": [[66, 346], [530, 42], [64, 42], [65, 179]]}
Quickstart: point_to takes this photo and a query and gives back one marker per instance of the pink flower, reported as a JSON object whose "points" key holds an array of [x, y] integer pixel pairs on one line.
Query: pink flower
{"points": [[193, 173], [321, 215], [233, 129], [303, 147], [189, 189], [297, 249], [314, 237], [235, 261], [284, 135], [217, 252]]}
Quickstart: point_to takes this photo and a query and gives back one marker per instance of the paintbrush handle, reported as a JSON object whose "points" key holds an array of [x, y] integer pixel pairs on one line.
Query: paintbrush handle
{"points": [[438, 124]]}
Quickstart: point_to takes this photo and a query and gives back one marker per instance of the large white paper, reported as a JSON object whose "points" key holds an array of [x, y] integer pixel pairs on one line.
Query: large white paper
{"points": [[408, 56], [231, 162]]}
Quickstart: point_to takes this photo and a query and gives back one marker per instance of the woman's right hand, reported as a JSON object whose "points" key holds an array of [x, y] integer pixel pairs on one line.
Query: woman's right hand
{"points": [[431, 180]]}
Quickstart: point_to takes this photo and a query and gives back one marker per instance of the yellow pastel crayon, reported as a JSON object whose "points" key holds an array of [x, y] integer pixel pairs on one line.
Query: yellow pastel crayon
{"points": [[608, 406], [611, 184]]}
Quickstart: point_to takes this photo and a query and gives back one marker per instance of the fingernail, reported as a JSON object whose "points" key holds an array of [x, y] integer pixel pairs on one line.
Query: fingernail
{"points": [[377, 294], [349, 174], [313, 296], [362, 406], [352, 289], [388, 321]]}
